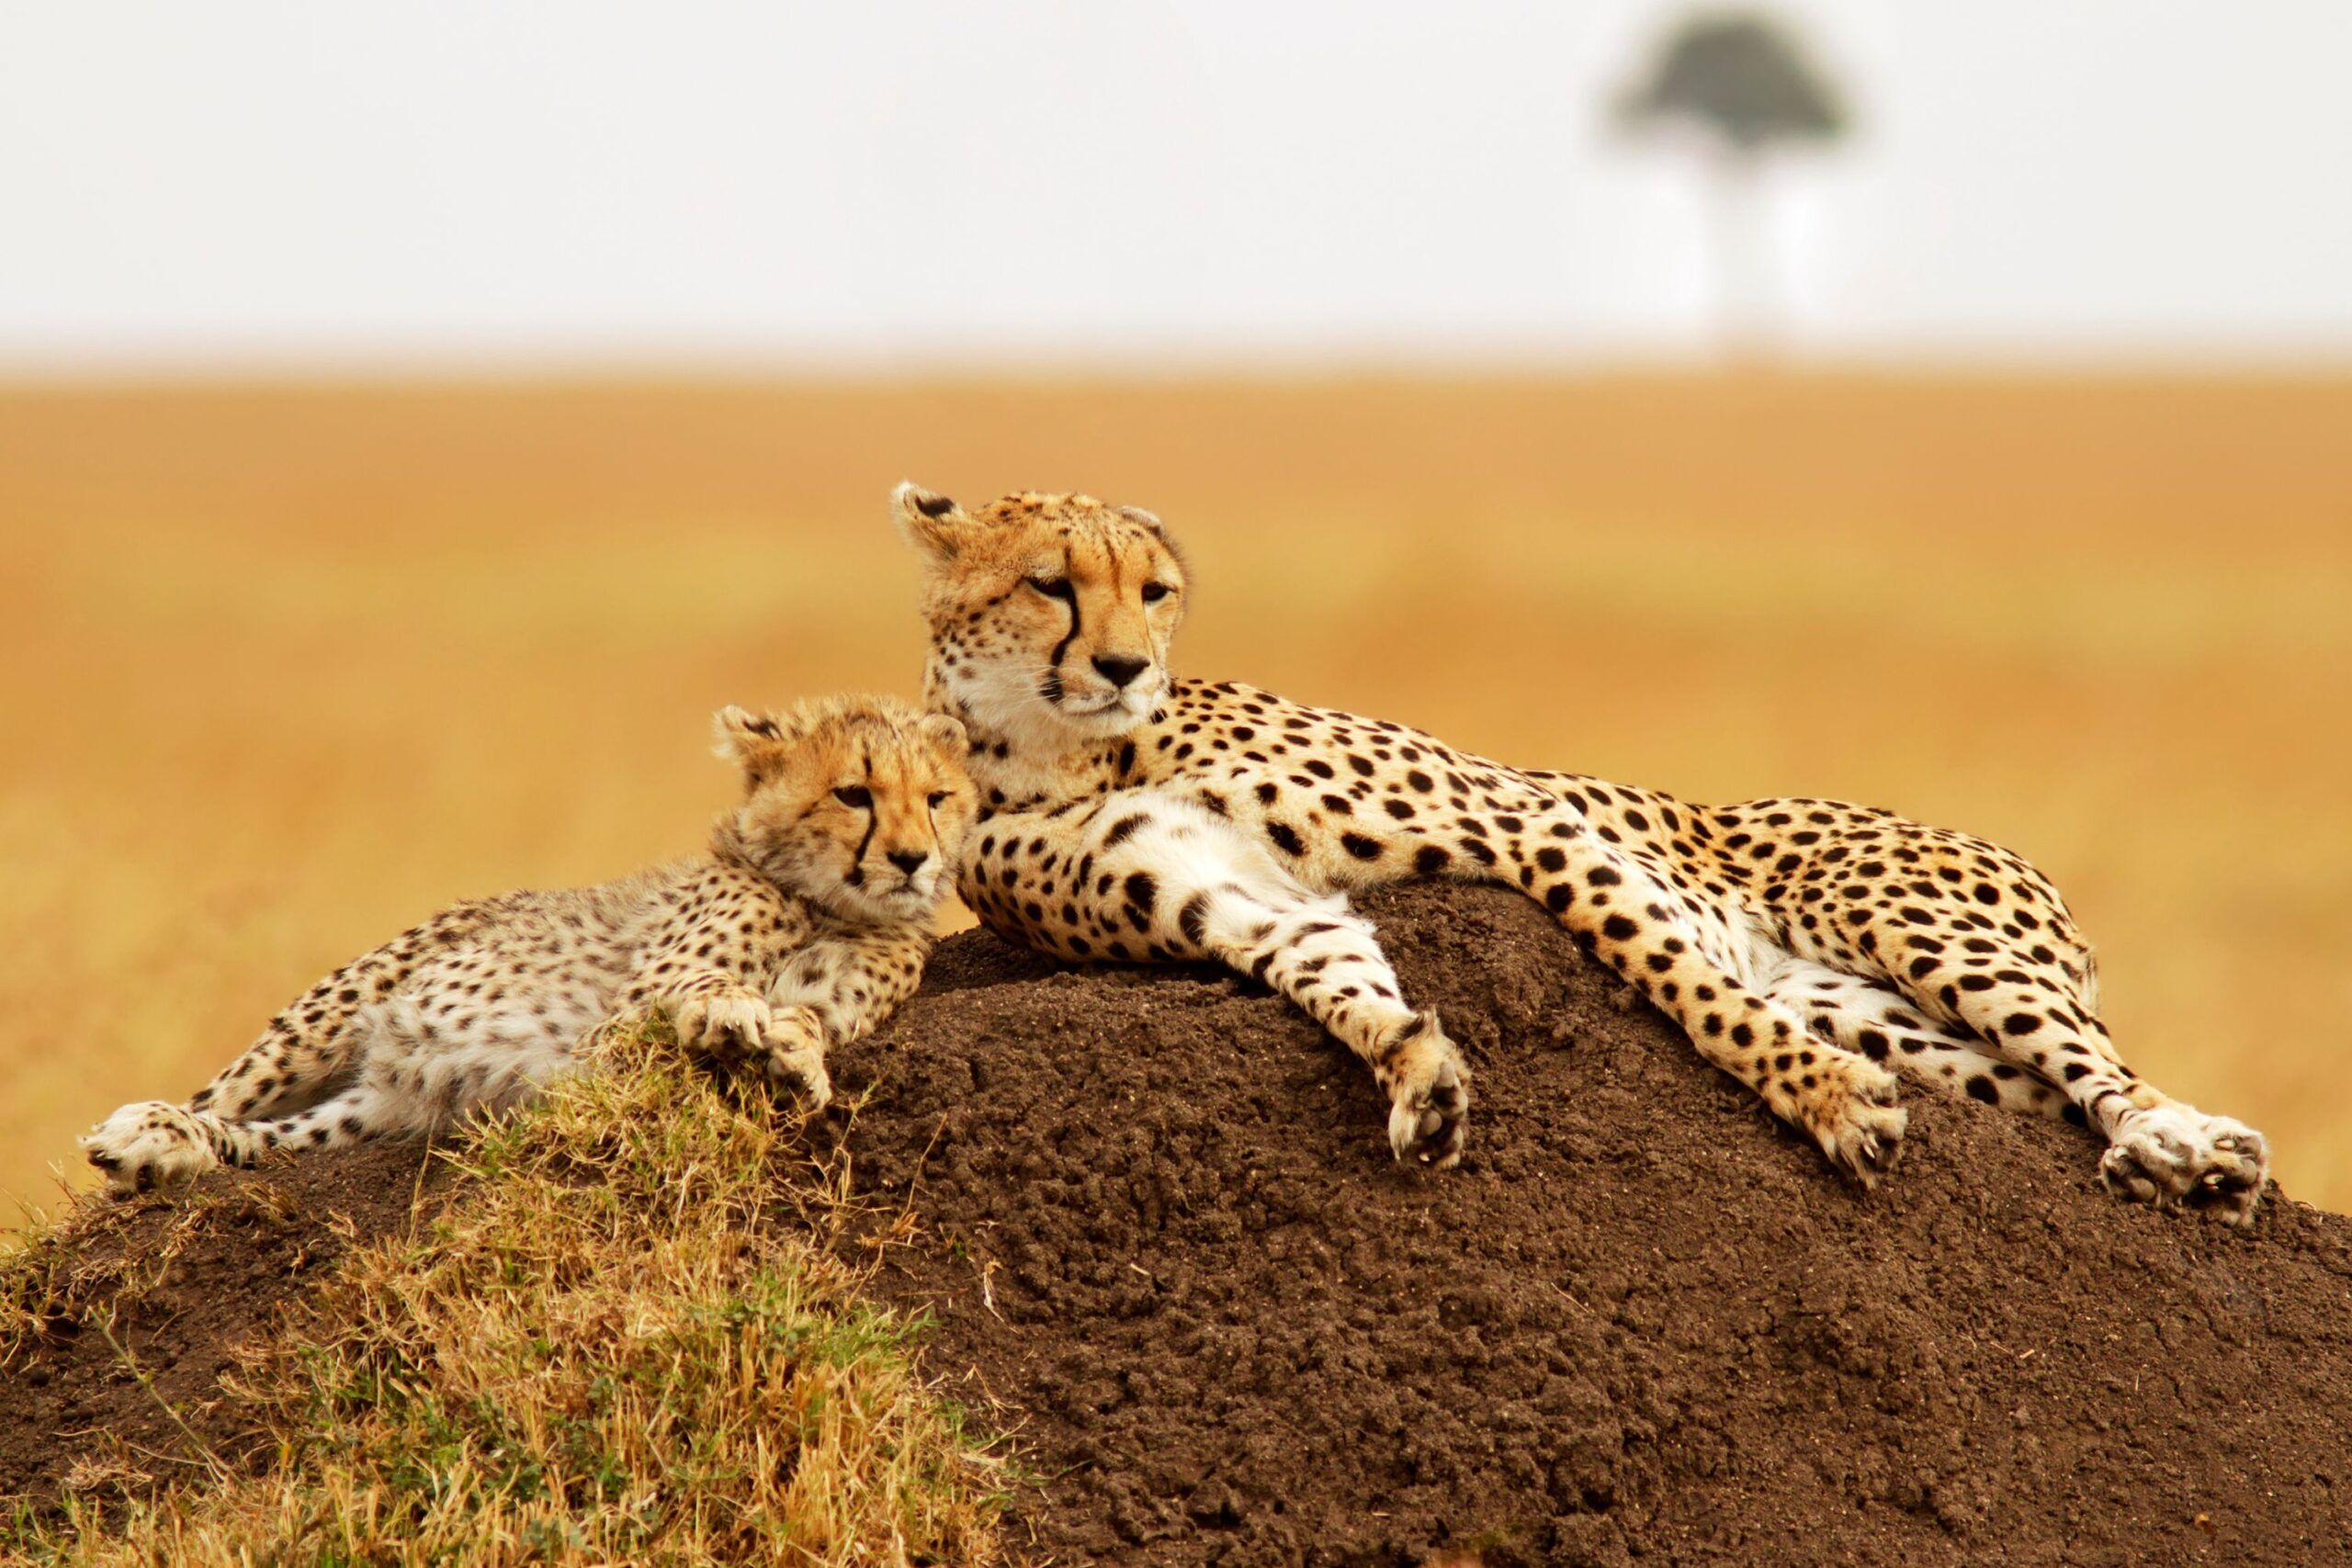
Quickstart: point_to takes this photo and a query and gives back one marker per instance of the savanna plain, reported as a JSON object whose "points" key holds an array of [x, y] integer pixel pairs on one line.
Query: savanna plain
{"points": [[285, 667]]}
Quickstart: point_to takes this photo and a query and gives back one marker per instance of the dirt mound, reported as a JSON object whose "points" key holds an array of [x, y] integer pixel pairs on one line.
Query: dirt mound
{"points": [[170, 1293], [1164, 1236], [1167, 1252]]}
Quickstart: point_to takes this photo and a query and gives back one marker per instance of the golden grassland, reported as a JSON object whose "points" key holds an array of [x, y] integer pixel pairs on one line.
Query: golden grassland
{"points": [[618, 1345], [285, 668]]}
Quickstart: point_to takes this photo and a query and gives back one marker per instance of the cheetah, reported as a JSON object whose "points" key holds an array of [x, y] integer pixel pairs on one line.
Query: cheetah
{"points": [[807, 922], [1805, 947]]}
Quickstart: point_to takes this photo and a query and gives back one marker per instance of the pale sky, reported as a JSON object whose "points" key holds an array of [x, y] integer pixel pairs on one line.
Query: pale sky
{"points": [[1125, 183]]}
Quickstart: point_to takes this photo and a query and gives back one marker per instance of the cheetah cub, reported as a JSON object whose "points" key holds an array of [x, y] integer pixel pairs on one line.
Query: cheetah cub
{"points": [[804, 926]]}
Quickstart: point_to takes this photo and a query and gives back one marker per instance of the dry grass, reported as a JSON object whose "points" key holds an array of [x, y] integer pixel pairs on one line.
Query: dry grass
{"points": [[288, 667], [618, 1346]]}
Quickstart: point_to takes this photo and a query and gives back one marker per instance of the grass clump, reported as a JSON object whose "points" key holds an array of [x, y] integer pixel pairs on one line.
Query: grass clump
{"points": [[624, 1340]]}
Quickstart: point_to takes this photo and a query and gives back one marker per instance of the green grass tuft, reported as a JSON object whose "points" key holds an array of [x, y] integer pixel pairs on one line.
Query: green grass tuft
{"points": [[624, 1340]]}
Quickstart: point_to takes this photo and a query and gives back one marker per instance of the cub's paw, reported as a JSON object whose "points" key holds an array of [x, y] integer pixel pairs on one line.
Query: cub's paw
{"points": [[1428, 1093], [796, 1059], [801, 1074], [727, 1028], [1851, 1113], [150, 1144], [2177, 1154]]}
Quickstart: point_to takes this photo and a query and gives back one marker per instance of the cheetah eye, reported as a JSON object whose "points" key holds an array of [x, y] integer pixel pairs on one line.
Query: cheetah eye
{"points": [[1052, 587], [854, 794], [936, 796], [1153, 592]]}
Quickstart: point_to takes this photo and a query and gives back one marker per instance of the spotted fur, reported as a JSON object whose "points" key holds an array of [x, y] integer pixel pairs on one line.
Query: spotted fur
{"points": [[807, 922], [1806, 946]]}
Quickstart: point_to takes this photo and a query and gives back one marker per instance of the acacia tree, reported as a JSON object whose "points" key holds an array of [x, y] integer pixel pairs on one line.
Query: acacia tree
{"points": [[1742, 84]]}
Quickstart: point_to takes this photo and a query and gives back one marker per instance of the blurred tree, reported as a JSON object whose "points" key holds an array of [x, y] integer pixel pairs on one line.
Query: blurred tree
{"points": [[1742, 82]]}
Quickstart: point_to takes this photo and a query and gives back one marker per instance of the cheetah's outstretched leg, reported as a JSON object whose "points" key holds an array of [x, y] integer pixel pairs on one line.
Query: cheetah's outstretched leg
{"points": [[1844, 1102], [2160, 1150], [1884, 1027], [1165, 878], [312, 1038], [153, 1143]]}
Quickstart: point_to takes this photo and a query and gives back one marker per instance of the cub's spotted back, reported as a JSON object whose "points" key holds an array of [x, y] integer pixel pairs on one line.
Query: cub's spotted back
{"points": [[807, 923]]}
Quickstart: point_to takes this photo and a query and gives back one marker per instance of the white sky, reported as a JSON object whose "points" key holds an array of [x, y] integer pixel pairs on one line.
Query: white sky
{"points": [[1126, 182]]}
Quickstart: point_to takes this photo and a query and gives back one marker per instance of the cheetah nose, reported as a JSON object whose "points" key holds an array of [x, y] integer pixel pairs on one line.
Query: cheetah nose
{"points": [[909, 860], [1119, 670]]}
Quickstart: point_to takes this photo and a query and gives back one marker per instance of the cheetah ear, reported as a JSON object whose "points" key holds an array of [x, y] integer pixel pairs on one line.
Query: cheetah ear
{"points": [[945, 733], [933, 523], [757, 740]]}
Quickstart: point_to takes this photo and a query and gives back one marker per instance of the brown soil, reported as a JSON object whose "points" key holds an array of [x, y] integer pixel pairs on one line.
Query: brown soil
{"points": [[1167, 1251], [1167, 1247], [175, 1289]]}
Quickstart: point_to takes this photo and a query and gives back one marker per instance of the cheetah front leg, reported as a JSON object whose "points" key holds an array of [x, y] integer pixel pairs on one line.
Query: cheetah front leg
{"points": [[834, 991], [717, 1017], [1142, 875], [1843, 1101]]}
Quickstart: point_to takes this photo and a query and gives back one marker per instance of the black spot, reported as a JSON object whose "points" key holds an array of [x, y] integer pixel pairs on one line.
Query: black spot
{"points": [[1981, 1087], [1552, 859], [1618, 928], [2022, 1023], [1285, 838], [1428, 860], [1192, 919], [1123, 829], [1142, 891], [1360, 847]]}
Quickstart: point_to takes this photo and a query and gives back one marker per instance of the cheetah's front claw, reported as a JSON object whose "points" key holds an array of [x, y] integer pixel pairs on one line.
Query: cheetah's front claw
{"points": [[148, 1144], [802, 1074], [796, 1059], [2177, 1155], [1429, 1111], [723, 1029], [1851, 1113]]}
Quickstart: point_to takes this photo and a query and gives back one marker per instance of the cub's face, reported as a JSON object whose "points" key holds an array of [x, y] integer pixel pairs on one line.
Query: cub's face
{"points": [[858, 802], [1050, 614]]}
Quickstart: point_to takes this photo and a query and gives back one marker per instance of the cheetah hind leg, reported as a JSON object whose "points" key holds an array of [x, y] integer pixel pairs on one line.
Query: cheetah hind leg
{"points": [[1864, 1019], [152, 1144]]}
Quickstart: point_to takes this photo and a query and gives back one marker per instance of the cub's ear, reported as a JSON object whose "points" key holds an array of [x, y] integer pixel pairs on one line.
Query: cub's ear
{"points": [[756, 741], [945, 733], [932, 521]]}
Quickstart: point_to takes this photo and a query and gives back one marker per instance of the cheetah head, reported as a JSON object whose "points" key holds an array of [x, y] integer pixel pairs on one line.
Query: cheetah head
{"points": [[1050, 614], [860, 804]]}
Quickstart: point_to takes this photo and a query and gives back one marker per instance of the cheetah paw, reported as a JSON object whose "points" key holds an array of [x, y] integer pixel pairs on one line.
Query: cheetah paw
{"points": [[800, 1072], [794, 1056], [1851, 1113], [148, 1144], [723, 1028], [2177, 1155], [1429, 1095]]}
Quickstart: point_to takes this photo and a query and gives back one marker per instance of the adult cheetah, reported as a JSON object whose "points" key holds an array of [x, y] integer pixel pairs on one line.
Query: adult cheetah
{"points": [[807, 922], [1804, 945]]}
